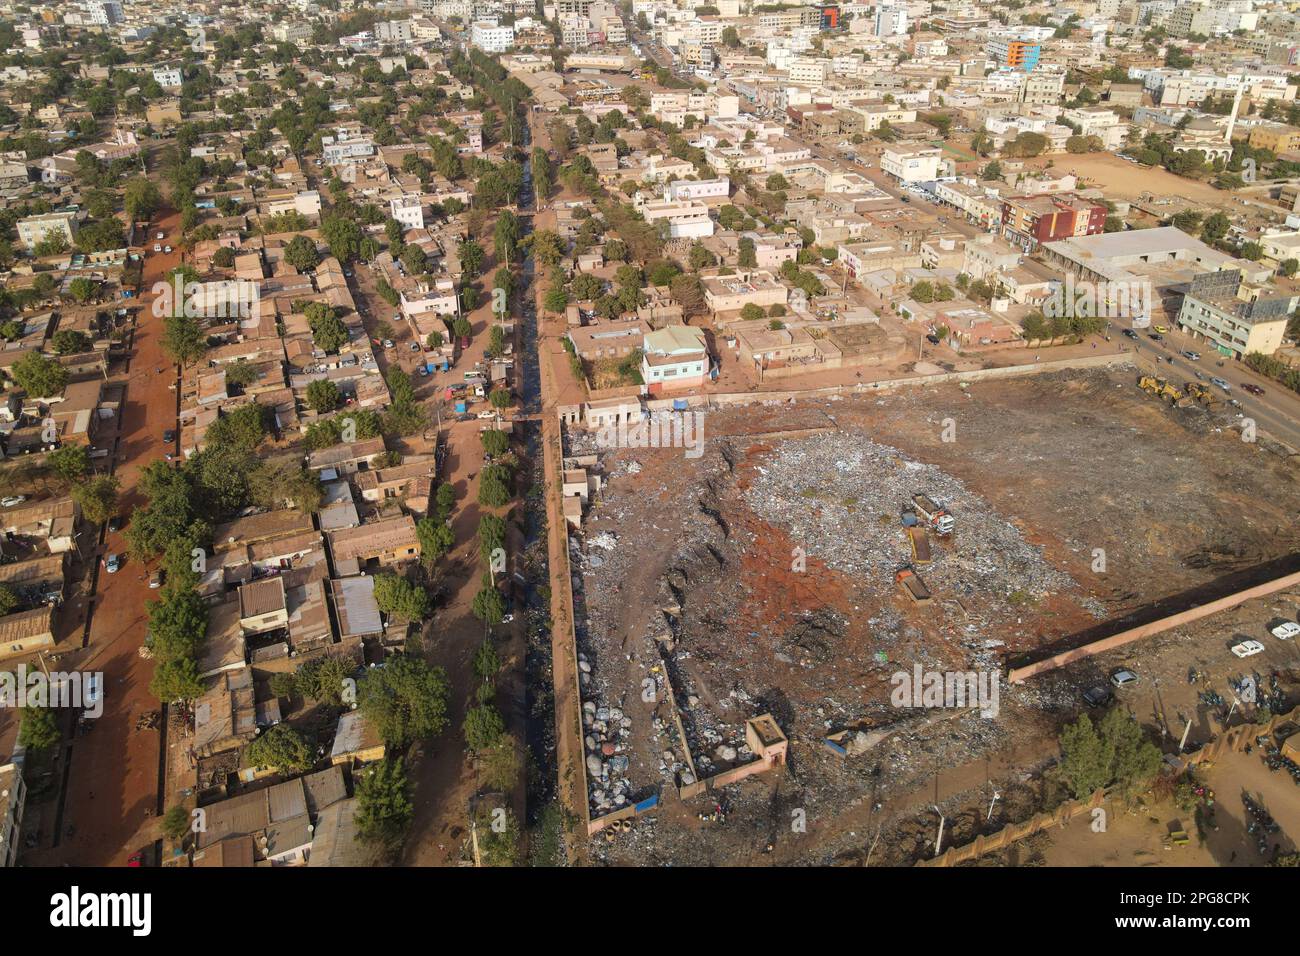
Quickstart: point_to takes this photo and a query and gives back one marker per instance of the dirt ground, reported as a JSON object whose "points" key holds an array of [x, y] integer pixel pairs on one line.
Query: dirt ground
{"points": [[1123, 180], [687, 574]]}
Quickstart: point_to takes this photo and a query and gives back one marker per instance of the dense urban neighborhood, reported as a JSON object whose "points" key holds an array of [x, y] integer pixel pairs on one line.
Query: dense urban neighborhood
{"points": [[572, 433]]}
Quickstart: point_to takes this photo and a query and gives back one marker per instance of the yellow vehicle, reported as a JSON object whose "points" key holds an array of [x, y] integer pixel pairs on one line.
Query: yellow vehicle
{"points": [[1201, 393], [1162, 330], [1160, 388]]}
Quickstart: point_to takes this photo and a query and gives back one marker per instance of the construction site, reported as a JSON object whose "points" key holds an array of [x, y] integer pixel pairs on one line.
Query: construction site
{"points": [[742, 613]]}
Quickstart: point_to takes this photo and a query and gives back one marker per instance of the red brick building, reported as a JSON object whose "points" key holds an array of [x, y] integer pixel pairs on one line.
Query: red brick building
{"points": [[1029, 221]]}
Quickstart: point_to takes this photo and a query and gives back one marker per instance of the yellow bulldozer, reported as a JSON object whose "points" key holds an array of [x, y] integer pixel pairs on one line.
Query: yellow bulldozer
{"points": [[1160, 388], [1201, 394]]}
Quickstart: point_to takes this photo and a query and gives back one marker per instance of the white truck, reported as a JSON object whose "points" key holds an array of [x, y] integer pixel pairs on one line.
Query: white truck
{"points": [[933, 514]]}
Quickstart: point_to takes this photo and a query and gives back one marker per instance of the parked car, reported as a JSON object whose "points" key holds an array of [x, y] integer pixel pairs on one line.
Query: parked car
{"points": [[1129, 333], [1156, 337], [388, 343], [1098, 696], [1252, 388], [1248, 648], [1123, 677], [115, 523], [1194, 356], [1163, 330], [156, 579], [93, 690], [169, 436], [1286, 630], [932, 339], [167, 249], [112, 563], [161, 236], [1221, 383], [11, 500], [157, 247]]}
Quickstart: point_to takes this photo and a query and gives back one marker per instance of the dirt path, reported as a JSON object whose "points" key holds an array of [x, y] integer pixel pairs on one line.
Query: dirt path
{"points": [[112, 782]]}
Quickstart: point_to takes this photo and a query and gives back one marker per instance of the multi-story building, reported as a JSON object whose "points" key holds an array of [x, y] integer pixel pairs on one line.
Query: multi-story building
{"points": [[676, 356], [33, 229], [1028, 221], [104, 13], [13, 799], [166, 76], [890, 20], [408, 210], [1276, 138], [491, 37], [1236, 318], [1014, 54], [911, 164]]}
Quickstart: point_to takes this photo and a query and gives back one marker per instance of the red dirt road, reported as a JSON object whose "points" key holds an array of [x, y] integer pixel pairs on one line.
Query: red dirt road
{"points": [[112, 783]]}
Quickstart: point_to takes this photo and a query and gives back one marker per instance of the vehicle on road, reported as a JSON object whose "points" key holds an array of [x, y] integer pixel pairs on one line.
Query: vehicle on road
{"points": [[112, 563], [1156, 337], [1162, 329], [169, 436], [1252, 388], [388, 343], [1221, 383], [932, 339], [1248, 648], [161, 236], [157, 247], [1123, 677], [1129, 333], [1194, 356], [167, 249], [12, 500], [1286, 630]]}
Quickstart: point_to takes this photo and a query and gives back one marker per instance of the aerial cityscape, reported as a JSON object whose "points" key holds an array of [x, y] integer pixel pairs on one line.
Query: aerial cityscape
{"points": [[578, 433]]}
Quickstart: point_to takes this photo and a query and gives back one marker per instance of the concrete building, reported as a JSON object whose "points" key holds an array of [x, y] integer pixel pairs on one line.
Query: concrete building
{"points": [[911, 164], [33, 229], [674, 357], [491, 37], [1235, 318], [13, 800]]}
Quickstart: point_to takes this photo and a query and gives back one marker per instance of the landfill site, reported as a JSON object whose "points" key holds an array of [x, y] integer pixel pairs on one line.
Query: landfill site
{"points": [[742, 615]]}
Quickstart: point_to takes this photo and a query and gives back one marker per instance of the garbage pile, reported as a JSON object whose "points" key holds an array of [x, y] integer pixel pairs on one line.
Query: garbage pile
{"points": [[841, 499]]}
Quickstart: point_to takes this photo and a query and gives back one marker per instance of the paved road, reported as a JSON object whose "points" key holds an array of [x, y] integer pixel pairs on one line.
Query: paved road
{"points": [[112, 784], [1276, 412]]}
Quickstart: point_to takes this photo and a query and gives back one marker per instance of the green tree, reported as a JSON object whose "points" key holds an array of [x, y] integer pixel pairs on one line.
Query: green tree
{"points": [[396, 595], [69, 462], [39, 729], [495, 442], [489, 606], [176, 823], [483, 727], [323, 395], [406, 700], [39, 376], [141, 198], [384, 808], [283, 749], [97, 498], [301, 254], [1086, 758]]}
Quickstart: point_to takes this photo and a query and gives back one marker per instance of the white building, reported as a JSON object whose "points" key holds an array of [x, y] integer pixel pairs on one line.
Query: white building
{"points": [[686, 189], [167, 76], [911, 164], [491, 37], [407, 210]]}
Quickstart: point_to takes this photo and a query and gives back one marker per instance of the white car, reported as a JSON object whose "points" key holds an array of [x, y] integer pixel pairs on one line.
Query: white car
{"points": [[1286, 630], [12, 500], [161, 235], [1123, 678], [157, 247], [1248, 648], [93, 690], [487, 414], [1221, 383], [167, 249]]}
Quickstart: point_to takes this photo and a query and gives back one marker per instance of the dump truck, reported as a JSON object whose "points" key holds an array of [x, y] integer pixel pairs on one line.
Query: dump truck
{"points": [[933, 514], [912, 585], [920, 541]]}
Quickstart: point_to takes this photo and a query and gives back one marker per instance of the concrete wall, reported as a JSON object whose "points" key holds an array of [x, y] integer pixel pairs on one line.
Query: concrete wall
{"points": [[1019, 674]]}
